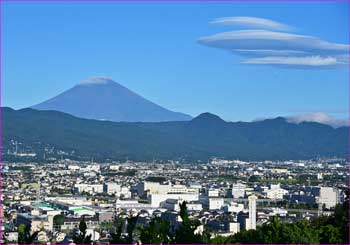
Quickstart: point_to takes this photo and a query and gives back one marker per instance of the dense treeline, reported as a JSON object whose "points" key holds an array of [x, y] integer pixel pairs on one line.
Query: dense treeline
{"points": [[324, 230]]}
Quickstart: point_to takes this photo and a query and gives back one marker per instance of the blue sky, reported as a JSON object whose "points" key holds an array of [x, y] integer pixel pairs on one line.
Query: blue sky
{"points": [[157, 50]]}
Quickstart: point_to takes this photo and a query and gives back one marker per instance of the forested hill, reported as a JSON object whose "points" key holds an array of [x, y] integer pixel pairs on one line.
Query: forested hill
{"points": [[199, 139]]}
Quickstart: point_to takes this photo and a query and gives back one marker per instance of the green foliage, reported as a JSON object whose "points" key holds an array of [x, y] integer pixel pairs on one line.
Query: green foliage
{"points": [[81, 237], [324, 230], [60, 191], [157, 232], [127, 173], [278, 232], [330, 234], [24, 236], [130, 227], [335, 228], [58, 220], [118, 238], [295, 205], [275, 232], [106, 225], [218, 240], [155, 179], [254, 178], [185, 234]]}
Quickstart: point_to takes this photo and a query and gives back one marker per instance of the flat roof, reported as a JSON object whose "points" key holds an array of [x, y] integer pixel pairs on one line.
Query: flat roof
{"points": [[80, 209]]}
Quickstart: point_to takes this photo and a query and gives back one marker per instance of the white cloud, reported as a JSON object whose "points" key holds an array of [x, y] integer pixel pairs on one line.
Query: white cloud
{"points": [[288, 48], [96, 81], [306, 61], [253, 22], [319, 117], [271, 40]]}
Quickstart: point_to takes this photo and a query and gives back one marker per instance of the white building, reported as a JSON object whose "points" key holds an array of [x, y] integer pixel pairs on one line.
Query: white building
{"points": [[156, 199], [194, 206], [328, 196], [251, 221], [133, 205], [90, 188], [215, 203], [124, 192], [233, 207], [174, 205], [73, 167], [117, 189], [279, 212], [234, 228], [158, 193], [111, 188], [91, 168], [275, 192], [213, 193], [114, 167], [238, 190], [152, 188]]}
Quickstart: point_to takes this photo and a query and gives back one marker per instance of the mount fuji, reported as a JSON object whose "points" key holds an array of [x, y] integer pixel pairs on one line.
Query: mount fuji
{"points": [[104, 99]]}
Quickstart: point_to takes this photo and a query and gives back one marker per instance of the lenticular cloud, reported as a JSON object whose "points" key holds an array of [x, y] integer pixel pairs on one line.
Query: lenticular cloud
{"points": [[270, 47]]}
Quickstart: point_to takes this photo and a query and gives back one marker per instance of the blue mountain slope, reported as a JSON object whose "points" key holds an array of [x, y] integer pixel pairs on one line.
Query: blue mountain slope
{"points": [[104, 99]]}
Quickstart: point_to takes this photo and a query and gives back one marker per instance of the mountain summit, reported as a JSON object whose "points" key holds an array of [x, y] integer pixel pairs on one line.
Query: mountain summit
{"points": [[104, 99], [207, 118]]}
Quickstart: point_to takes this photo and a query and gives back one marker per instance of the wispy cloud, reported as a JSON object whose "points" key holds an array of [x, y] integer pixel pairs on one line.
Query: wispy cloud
{"points": [[306, 61], [319, 117], [96, 80], [253, 22], [268, 52], [266, 47]]}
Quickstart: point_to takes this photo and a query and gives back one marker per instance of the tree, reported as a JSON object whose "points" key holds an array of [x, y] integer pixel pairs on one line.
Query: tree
{"points": [[335, 228], [330, 235], [157, 232], [130, 227], [254, 178], [246, 237], [185, 234], [206, 235], [118, 238], [24, 236], [58, 221], [218, 240], [81, 237]]}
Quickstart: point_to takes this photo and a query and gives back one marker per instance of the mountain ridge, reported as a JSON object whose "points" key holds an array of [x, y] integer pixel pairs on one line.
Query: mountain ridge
{"points": [[271, 139]]}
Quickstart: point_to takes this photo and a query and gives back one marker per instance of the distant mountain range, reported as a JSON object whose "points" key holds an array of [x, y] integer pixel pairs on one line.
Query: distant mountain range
{"points": [[203, 137], [104, 99]]}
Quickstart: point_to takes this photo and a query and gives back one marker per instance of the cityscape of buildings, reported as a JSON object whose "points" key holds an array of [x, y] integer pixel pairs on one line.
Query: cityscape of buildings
{"points": [[225, 196]]}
